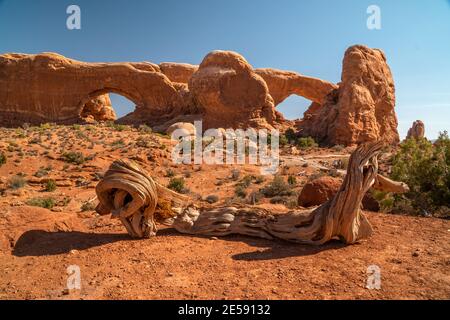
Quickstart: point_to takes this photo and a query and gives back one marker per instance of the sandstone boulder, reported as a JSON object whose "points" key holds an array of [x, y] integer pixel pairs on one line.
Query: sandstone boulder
{"points": [[99, 109], [185, 129], [320, 190], [362, 108], [417, 130]]}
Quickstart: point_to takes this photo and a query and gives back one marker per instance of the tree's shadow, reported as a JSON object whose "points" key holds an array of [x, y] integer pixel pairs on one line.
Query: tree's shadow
{"points": [[270, 249], [43, 243]]}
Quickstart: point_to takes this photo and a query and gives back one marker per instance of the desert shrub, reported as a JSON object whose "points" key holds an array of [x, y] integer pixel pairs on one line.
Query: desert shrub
{"points": [[145, 128], [142, 142], [117, 127], [338, 147], [278, 187], [306, 142], [170, 173], [2, 158], [235, 173], [73, 157], [255, 197], [177, 184], [50, 186], [118, 143], [17, 182], [290, 202], [292, 180], [239, 190], [47, 203], [425, 168], [290, 135], [247, 181], [87, 206], [259, 179], [283, 140], [42, 172]]}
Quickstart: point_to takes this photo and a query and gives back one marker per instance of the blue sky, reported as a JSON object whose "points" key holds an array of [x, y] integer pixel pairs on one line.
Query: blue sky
{"points": [[309, 37]]}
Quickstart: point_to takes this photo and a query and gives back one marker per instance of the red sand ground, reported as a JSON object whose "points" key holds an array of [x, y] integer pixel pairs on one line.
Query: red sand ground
{"points": [[37, 245]]}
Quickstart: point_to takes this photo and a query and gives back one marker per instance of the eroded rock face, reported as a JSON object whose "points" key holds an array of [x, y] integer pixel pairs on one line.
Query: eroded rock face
{"points": [[362, 108], [51, 88], [99, 109], [229, 93], [224, 91], [178, 72], [417, 130], [282, 84]]}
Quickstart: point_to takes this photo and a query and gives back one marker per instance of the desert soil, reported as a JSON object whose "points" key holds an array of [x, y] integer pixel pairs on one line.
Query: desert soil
{"points": [[37, 245]]}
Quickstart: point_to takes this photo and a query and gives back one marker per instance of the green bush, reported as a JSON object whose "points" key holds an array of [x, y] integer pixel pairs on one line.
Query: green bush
{"points": [[74, 157], [290, 135], [50, 186], [306, 142], [17, 182], [425, 168], [292, 180], [283, 140], [239, 190], [87, 206], [177, 184], [278, 187], [47, 203]]}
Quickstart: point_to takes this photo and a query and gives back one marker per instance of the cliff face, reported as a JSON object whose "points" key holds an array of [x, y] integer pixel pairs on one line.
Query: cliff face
{"points": [[223, 91], [362, 108]]}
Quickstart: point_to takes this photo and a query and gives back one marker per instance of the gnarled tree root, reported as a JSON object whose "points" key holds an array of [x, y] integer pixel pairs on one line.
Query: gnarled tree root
{"points": [[130, 194]]}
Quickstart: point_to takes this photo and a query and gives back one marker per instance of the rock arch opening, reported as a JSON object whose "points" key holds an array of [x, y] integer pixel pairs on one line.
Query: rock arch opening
{"points": [[107, 105], [293, 107]]}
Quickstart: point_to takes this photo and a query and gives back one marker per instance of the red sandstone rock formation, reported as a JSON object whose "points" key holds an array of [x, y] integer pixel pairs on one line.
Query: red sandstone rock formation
{"points": [[362, 108], [282, 84], [98, 109], [224, 91], [229, 93], [417, 130], [51, 88], [178, 72]]}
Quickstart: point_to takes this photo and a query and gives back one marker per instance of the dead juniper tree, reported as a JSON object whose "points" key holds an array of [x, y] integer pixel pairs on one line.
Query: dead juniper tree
{"points": [[131, 195]]}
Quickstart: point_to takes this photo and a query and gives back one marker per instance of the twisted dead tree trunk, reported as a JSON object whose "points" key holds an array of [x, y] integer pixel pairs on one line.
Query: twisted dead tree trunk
{"points": [[130, 194]]}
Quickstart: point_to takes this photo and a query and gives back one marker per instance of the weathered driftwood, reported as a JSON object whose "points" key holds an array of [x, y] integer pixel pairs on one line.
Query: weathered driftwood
{"points": [[130, 194]]}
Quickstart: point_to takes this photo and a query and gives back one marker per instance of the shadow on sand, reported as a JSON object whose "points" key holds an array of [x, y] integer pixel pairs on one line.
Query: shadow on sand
{"points": [[269, 249], [42, 243]]}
